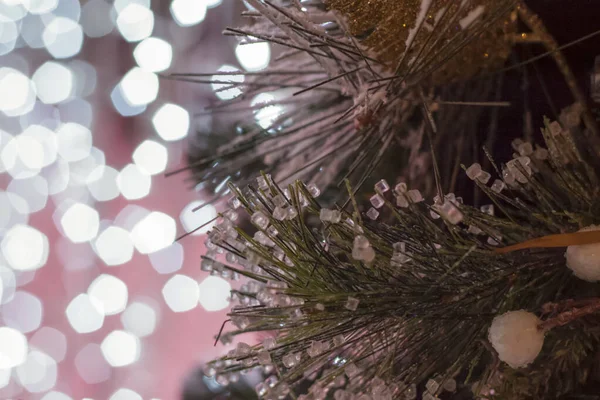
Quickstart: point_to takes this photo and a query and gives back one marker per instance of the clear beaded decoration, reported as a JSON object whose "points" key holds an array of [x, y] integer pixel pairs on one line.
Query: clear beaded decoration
{"points": [[269, 343], [401, 188], [264, 357], [377, 201], [484, 177], [555, 128], [313, 190], [449, 385], [432, 386], [280, 201], [352, 303], [260, 220], [262, 183], [487, 209], [372, 213], [474, 171], [498, 186], [382, 186], [351, 370]]}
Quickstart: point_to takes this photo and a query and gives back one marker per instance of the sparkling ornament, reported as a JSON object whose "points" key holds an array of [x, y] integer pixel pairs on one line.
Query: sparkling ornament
{"points": [[584, 260], [399, 30], [516, 337]]}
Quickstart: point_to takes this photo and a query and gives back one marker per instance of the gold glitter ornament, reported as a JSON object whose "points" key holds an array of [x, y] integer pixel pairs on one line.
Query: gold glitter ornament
{"points": [[438, 40]]}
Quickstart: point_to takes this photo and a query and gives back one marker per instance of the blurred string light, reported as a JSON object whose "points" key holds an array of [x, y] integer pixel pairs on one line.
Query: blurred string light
{"points": [[153, 54], [120, 348], [91, 365], [13, 348], [114, 246], [188, 12], [214, 293], [171, 122], [197, 214], [181, 293], [254, 56], [133, 182], [85, 314], [135, 21], [109, 291], [24, 312], [125, 394], [167, 260], [154, 232], [139, 87], [151, 157], [54, 82], [227, 87], [50, 341], [139, 318]]}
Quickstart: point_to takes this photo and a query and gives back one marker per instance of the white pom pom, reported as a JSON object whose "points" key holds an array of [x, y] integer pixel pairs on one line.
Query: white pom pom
{"points": [[516, 337], [584, 260]]}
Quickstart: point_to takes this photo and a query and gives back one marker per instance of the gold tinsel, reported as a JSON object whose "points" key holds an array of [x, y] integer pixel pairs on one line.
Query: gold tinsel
{"points": [[385, 25]]}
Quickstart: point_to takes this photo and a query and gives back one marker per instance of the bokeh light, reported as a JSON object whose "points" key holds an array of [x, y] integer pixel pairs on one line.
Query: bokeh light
{"points": [[253, 56], [102, 183], [38, 373], [91, 365], [22, 90], [188, 12], [34, 191], [172, 122], [23, 312], [13, 348], [133, 182], [151, 157], [54, 395], [197, 214], [54, 82], [167, 260], [114, 246], [154, 232], [214, 293], [120, 348], [50, 341], [85, 314], [63, 37], [135, 22], [181, 293], [153, 54], [25, 248], [139, 87], [95, 18], [139, 319], [74, 141], [125, 394], [80, 223], [109, 291], [227, 85]]}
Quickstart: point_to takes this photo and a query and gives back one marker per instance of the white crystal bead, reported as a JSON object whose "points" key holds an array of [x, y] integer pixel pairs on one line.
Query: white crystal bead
{"points": [[484, 177], [449, 385], [352, 303], [234, 203], [377, 201], [313, 190], [584, 260], [498, 186], [269, 343], [487, 209], [264, 358], [411, 392], [401, 201], [372, 213], [242, 349], [432, 386], [280, 213], [361, 242], [338, 340], [474, 230], [291, 213], [262, 183], [280, 201], [382, 186], [473, 171], [555, 128], [516, 337], [541, 154], [260, 220], [401, 188], [525, 149], [399, 247]]}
